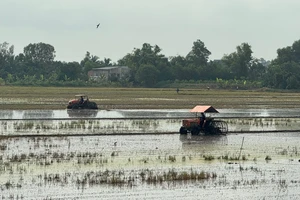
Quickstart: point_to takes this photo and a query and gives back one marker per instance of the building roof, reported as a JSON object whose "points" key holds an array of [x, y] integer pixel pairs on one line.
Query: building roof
{"points": [[109, 68]]}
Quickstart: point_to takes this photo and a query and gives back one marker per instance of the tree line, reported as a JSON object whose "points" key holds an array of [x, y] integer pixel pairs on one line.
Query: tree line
{"points": [[150, 68]]}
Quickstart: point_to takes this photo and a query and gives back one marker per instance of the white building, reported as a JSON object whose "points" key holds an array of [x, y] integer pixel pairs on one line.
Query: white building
{"points": [[105, 73]]}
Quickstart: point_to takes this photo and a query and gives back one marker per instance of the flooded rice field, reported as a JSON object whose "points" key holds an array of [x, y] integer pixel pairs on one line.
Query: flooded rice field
{"points": [[103, 122], [130, 155], [133, 126], [140, 113], [167, 166]]}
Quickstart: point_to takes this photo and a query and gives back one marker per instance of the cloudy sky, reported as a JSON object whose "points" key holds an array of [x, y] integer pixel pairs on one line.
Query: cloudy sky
{"points": [[173, 25]]}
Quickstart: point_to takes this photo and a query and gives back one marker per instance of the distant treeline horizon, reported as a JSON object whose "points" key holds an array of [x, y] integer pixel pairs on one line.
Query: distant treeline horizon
{"points": [[150, 68]]}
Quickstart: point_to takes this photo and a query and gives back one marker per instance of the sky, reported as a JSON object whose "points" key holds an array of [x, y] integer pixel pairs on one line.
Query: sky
{"points": [[70, 26]]}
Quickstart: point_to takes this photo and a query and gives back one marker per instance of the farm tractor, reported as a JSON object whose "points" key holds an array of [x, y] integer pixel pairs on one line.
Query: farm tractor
{"points": [[203, 125], [81, 102]]}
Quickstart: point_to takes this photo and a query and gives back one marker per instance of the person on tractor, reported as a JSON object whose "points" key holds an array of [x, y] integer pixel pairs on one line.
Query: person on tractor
{"points": [[81, 100], [202, 120]]}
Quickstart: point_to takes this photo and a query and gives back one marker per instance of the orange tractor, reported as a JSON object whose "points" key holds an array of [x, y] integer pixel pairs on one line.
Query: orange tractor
{"points": [[203, 125]]}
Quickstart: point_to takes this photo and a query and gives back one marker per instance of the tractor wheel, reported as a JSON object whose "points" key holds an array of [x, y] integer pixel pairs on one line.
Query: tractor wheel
{"points": [[195, 131], [92, 105], [182, 130], [208, 130], [75, 106]]}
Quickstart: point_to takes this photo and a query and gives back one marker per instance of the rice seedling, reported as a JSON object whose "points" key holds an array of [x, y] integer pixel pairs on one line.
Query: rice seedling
{"points": [[208, 157], [268, 158], [172, 158], [114, 153]]}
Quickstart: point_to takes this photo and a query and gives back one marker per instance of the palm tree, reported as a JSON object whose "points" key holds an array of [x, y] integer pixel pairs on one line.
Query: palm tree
{"points": [[95, 59], [107, 62]]}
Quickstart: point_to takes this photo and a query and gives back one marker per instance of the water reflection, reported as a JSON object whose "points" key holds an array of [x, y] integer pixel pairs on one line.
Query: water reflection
{"points": [[6, 114], [154, 113], [58, 114], [150, 113], [40, 114], [295, 112], [82, 113], [200, 139], [198, 142]]}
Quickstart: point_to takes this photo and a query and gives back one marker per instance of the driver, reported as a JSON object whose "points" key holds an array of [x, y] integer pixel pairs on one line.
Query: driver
{"points": [[202, 120], [81, 100]]}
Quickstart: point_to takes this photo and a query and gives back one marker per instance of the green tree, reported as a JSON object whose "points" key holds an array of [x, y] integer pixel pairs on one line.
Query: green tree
{"points": [[239, 62], [216, 69], [148, 55], [88, 63], [284, 76], [6, 52], [284, 55], [39, 52], [178, 60], [288, 54], [296, 51], [178, 64], [284, 71], [70, 71], [6, 59], [257, 70], [199, 54], [147, 75], [107, 62], [21, 67]]}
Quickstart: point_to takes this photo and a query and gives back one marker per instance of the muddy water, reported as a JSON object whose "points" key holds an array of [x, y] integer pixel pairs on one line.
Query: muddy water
{"points": [[63, 167]]}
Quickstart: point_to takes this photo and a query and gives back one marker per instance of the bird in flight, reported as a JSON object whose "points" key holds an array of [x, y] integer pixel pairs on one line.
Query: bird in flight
{"points": [[98, 25]]}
